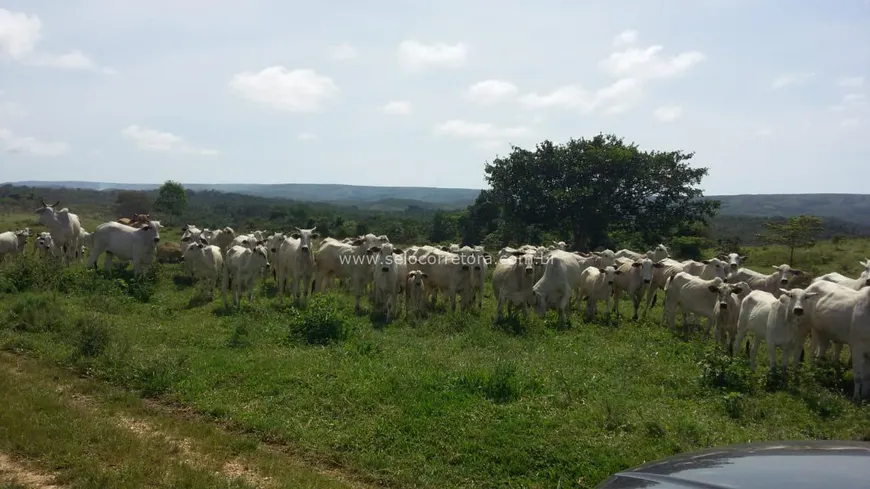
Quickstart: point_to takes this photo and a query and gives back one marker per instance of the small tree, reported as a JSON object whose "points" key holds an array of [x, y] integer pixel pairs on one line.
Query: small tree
{"points": [[836, 240], [795, 232], [171, 199], [130, 202]]}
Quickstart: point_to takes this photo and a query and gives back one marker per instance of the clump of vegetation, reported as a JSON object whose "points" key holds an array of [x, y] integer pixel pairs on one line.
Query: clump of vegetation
{"points": [[321, 323], [721, 371], [93, 336], [36, 313]]}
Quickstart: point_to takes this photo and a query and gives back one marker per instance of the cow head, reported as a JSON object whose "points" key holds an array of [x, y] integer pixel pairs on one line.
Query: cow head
{"points": [[305, 236], [786, 273], [149, 232], [734, 260], [609, 274], [47, 211], [260, 256], [794, 300], [525, 262], [723, 293], [646, 266], [415, 278]]}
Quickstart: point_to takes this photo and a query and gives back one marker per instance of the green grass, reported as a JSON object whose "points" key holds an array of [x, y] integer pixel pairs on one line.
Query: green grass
{"points": [[446, 402]]}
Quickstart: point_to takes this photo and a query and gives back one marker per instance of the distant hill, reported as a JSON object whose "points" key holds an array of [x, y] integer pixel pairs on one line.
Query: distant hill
{"points": [[387, 197], [853, 208]]}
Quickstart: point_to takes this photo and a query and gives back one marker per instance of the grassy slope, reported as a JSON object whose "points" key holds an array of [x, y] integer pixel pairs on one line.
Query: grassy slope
{"points": [[445, 402]]}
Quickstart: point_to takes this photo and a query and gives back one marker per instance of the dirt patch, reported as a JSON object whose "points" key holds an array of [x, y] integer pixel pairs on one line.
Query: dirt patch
{"points": [[12, 471], [235, 469]]}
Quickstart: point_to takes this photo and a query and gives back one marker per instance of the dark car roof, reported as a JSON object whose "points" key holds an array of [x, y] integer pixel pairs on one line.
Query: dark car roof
{"points": [[786, 465]]}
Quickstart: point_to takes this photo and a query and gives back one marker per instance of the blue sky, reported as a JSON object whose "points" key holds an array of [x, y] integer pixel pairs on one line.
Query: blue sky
{"points": [[774, 97]]}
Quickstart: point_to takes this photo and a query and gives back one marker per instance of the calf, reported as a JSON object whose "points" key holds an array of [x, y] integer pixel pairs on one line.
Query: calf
{"points": [[294, 260], [772, 284], [415, 293], [776, 320], [596, 284], [12, 243], [726, 312], [634, 279], [241, 267], [385, 273], [128, 244], [554, 289], [693, 295], [512, 282], [206, 262]]}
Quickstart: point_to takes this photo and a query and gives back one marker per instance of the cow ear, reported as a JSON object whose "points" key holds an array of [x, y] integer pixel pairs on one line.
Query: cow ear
{"points": [[602, 270], [445, 248], [424, 275], [357, 242], [798, 272], [375, 249], [744, 258], [295, 235], [736, 290], [705, 262], [145, 227], [658, 265], [203, 241], [398, 251], [713, 289], [635, 264], [315, 235]]}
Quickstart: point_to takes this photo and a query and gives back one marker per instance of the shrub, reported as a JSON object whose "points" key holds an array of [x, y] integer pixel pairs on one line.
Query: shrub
{"points": [[721, 371], [321, 323], [93, 337]]}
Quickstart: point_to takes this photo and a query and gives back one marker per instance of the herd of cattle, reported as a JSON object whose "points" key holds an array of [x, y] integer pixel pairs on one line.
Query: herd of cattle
{"points": [[735, 300]]}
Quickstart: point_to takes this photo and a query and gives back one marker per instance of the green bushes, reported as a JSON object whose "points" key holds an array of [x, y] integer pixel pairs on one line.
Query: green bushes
{"points": [[321, 323]]}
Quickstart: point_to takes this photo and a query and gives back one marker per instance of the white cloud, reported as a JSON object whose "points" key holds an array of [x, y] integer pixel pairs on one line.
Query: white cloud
{"points": [[26, 145], [849, 122], [481, 131], [343, 52], [763, 131], [415, 56], [147, 139], [12, 109], [625, 38], [850, 82], [647, 63], [850, 101], [306, 136], [19, 38], [397, 107], [491, 92], [612, 99], [668, 113], [295, 91], [791, 79]]}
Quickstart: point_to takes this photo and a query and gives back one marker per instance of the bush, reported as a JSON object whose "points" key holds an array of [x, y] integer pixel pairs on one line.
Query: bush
{"points": [[321, 323], [93, 337], [500, 385], [689, 247], [721, 371]]}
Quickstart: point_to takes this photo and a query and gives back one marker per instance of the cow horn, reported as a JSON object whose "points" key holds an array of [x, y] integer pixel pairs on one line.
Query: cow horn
{"points": [[43, 202], [56, 204], [315, 227]]}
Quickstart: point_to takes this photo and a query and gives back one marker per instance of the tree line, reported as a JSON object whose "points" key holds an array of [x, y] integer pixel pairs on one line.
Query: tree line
{"points": [[592, 193]]}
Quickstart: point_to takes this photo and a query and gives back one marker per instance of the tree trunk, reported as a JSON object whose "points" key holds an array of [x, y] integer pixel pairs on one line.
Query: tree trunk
{"points": [[579, 240], [791, 256]]}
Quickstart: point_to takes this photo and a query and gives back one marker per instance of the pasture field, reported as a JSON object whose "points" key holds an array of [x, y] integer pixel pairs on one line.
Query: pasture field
{"points": [[320, 397]]}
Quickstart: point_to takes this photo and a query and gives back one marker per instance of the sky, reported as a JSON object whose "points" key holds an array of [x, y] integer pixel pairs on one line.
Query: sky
{"points": [[771, 96]]}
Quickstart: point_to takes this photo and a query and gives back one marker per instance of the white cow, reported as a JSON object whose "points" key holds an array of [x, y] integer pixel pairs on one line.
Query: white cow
{"points": [[45, 246], [222, 238], [415, 294], [726, 313], [693, 295], [64, 226], [706, 269], [385, 276], [344, 261], [828, 318], [246, 240], [862, 281], [596, 284], [859, 341], [776, 320], [512, 282], [206, 262], [555, 288], [477, 259], [12, 243], [660, 278], [190, 233], [138, 245], [294, 261], [241, 267], [773, 283], [634, 279], [447, 274]]}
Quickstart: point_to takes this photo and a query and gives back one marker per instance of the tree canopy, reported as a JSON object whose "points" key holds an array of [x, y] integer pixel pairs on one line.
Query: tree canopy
{"points": [[794, 232], [588, 188], [171, 199]]}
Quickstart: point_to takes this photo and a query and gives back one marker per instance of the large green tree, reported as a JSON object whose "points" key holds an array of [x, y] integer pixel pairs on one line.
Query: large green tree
{"points": [[587, 188], [171, 199]]}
